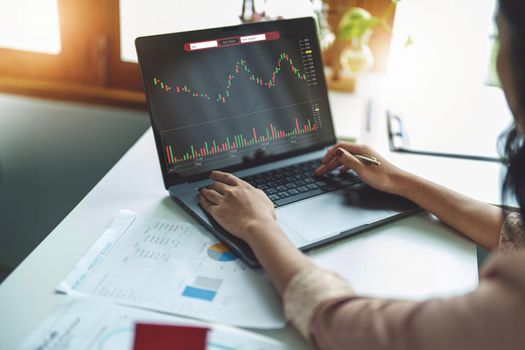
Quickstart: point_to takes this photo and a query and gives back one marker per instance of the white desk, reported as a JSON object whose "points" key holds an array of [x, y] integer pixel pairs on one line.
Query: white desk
{"points": [[413, 257]]}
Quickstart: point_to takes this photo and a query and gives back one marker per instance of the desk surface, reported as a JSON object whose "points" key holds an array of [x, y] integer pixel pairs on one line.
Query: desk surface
{"points": [[415, 257]]}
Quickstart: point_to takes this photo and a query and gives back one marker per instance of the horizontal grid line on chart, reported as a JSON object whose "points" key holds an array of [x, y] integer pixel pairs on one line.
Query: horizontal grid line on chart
{"points": [[238, 116]]}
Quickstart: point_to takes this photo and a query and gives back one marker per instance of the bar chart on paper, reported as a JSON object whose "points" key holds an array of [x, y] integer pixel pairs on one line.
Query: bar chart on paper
{"points": [[176, 268], [204, 288]]}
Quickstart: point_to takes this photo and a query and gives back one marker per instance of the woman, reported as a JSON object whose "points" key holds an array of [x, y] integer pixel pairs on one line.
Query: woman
{"points": [[324, 308]]}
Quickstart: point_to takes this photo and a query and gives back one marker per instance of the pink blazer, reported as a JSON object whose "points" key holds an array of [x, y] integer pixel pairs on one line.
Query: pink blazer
{"points": [[326, 311]]}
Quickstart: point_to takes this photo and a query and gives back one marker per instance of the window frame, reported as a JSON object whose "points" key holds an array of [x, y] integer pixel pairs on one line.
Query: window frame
{"points": [[87, 70], [89, 67]]}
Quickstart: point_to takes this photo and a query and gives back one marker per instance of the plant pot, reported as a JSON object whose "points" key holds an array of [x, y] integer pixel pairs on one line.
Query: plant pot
{"points": [[358, 56]]}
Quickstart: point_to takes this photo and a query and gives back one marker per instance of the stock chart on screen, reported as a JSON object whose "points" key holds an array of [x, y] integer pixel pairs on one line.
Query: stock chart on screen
{"points": [[220, 100]]}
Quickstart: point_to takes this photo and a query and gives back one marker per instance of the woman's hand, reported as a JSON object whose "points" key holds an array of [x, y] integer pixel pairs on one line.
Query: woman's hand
{"points": [[385, 177], [247, 213], [236, 205]]}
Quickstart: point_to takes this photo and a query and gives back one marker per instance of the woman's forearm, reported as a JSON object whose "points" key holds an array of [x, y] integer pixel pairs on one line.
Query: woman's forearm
{"points": [[277, 255], [479, 221]]}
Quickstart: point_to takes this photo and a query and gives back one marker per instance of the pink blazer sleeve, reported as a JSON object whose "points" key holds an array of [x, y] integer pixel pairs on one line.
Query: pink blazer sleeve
{"points": [[326, 311]]}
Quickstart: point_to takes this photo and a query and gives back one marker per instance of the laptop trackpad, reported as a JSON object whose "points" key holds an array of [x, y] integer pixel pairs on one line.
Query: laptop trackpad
{"points": [[327, 215]]}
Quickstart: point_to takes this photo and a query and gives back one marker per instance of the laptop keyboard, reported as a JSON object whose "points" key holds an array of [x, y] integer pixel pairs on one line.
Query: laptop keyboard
{"points": [[297, 182]]}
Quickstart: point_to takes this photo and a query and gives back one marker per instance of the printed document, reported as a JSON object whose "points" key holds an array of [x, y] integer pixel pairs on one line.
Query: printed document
{"points": [[86, 323], [177, 268]]}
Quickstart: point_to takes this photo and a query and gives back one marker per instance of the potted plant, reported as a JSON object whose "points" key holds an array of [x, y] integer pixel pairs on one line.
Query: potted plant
{"points": [[356, 27]]}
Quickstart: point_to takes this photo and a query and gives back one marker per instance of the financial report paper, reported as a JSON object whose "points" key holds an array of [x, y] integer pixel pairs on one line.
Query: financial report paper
{"points": [[86, 323], [174, 267]]}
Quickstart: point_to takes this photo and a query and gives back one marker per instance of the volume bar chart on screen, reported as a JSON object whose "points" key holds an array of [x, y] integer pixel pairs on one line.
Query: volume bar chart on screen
{"points": [[239, 141], [284, 62]]}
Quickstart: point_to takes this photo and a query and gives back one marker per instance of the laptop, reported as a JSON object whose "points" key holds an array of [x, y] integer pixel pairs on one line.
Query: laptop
{"points": [[252, 100]]}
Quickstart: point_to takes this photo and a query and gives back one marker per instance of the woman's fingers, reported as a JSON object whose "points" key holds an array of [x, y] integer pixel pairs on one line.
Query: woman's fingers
{"points": [[235, 204], [226, 178], [342, 157], [348, 160], [342, 153], [329, 155], [220, 187], [350, 147], [211, 195], [324, 168], [207, 205], [355, 148]]}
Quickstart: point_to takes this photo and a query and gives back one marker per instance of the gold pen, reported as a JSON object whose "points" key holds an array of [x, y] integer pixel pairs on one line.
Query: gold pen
{"points": [[367, 159]]}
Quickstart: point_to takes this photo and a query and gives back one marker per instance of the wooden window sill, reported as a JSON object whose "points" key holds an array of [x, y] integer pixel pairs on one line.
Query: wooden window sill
{"points": [[74, 92]]}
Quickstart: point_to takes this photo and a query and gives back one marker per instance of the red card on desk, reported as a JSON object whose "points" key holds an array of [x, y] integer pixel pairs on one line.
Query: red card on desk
{"points": [[164, 337]]}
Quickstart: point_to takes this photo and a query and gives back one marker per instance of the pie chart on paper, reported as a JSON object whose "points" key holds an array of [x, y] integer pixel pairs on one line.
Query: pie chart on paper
{"points": [[220, 252]]}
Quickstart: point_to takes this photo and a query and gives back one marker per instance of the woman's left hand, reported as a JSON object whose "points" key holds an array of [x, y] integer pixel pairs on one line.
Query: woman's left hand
{"points": [[236, 205]]}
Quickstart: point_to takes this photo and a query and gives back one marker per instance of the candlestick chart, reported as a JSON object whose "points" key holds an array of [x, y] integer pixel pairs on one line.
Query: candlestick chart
{"points": [[228, 106], [241, 68]]}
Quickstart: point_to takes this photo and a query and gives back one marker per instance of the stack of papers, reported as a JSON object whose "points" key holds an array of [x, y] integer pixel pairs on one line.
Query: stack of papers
{"points": [[160, 265], [177, 268]]}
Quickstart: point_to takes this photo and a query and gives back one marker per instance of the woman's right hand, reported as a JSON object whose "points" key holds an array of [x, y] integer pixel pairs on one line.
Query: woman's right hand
{"points": [[385, 177]]}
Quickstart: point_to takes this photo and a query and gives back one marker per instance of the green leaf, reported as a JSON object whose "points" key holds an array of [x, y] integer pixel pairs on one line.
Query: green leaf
{"points": [[355, 23]]}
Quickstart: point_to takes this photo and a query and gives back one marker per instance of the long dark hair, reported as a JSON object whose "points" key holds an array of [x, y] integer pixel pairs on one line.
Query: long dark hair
{"points": [[513, 12]]}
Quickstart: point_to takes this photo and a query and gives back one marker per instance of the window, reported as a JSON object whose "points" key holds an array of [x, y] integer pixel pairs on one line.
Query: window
{"points": [[84, 50], [438, 76], [30, 25], [85, 63], [139, 18]]}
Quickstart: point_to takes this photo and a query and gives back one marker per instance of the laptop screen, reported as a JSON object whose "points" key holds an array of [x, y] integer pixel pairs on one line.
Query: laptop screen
{"points": [[233, 97]]}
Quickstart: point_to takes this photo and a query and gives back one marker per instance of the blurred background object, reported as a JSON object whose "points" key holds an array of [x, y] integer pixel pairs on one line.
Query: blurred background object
{"points": [[441, 59], [362, 39], [356, 27], [84, 51]]}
